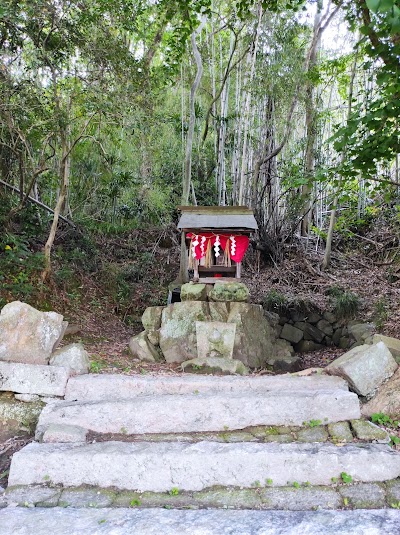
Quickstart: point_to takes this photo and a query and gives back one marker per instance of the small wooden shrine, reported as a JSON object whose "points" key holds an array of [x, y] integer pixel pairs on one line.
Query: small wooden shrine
{"points": [[216, 238]]}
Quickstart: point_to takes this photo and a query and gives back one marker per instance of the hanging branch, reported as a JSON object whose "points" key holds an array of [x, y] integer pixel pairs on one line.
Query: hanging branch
{"points": [[228, 70]]}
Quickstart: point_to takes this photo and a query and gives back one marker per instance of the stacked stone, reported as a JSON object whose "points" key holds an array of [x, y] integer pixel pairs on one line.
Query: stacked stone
{"points": [[213, 329], [309, 331], [32, 370]]}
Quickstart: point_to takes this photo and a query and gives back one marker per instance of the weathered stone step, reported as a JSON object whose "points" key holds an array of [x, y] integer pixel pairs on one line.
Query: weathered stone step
{"points": [[202, 412], [109, 386], [61, 521], [289, 498], [160, 467]]}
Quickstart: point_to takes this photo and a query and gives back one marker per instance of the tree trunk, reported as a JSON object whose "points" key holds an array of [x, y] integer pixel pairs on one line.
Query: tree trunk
{"points": [[311, 115], [328, 249], [192, 118], [64, 175]]}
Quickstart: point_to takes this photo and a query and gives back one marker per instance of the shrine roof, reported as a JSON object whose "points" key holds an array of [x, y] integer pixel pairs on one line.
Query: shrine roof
{"points": [[217, 217]]}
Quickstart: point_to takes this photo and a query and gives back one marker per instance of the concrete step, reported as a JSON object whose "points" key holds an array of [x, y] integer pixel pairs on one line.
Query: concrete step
{"points": [[108, 386], [160, 467], [202, 412], [61, 521]]}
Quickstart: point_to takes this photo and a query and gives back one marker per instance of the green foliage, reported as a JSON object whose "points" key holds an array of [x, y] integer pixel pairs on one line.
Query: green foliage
{"points": [[346, 478], [174, 491], [383, 419], [345, 304], [135, 502], [381, 313], [275, 301], [312, 423]]}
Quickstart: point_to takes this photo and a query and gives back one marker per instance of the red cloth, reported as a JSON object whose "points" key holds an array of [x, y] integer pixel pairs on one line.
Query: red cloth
{"points": [[241, 244]]}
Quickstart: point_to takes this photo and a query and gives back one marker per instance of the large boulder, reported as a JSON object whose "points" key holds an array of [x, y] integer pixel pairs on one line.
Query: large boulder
{"points": [[27, 335], [215, 339], [229, 291], [254, 338], [143, 349], [178, 329], [151, 318], [393, 344], [72, 356], [387, 399], [364, 367]]}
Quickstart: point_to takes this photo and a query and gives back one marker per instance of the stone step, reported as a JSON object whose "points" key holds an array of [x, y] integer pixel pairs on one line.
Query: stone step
{"points": [[161, 467], [108, 386], [201, 412], [61, 521], [289, 498]]}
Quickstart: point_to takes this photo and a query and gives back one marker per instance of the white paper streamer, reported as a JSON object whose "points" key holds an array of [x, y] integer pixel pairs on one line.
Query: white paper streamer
{"points": [[233, 245], [216, 246]]}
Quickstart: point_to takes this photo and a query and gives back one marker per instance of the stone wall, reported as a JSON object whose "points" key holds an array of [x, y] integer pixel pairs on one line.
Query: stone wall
{"points": [[309, 331]]}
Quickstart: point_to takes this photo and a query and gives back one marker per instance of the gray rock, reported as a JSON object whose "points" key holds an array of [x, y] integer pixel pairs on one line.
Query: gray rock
{"points": [[387, 399], [229, 498], [27, 398], [229, 291], [215, 339], [27, 335], [328, 316], [151, 318], [325, 326], [193, 292], [313, 318], [313, 434], [33, 495], [33, 379], [393, 492], [253, 347], [364, 367], [115, 386], [337, 335], [82, 497], [393, 344], [300, 499], [158, 467], [291, 333], [305, 346], [142, 349], [344, 342], [73, 356], [178, 329], [70, 521], [298, 316], [361, 331], [340, 432], [313, 333], [364, 495], [215, 365], [171, 413], [17, 416], [287, 364], [368, 431], [64, 433]]}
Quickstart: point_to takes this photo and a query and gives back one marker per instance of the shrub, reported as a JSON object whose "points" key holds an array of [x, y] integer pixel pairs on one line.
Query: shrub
{"points": [[345, 304]]}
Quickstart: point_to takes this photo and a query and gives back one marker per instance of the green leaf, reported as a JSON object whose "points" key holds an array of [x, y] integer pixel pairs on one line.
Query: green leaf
{"points": [[373, 5]]}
